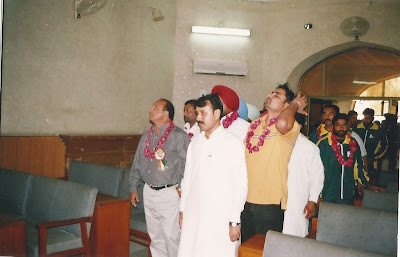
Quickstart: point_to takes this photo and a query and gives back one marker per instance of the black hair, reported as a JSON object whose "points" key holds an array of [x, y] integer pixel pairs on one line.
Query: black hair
{"points": [[300, 118], [334, 106], [214, 100], [289, 93], [369, 111], [169, 107], [390, 118], [192, 102], [340, 116], [351, 113]]}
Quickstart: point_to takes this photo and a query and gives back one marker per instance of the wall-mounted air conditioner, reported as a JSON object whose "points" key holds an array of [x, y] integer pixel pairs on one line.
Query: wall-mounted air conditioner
{"points": [[220, 67]]}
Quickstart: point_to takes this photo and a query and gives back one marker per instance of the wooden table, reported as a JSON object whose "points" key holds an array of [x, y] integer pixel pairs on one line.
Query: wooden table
{"points": [[253, 247], [12, 236], [109, 234]]}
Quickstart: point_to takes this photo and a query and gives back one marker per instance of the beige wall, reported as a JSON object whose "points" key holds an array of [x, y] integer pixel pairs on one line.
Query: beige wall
{"points": [[278, 42], [94, 75], [100, 74]]}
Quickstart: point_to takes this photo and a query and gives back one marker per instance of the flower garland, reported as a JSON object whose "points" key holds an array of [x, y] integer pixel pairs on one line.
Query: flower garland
{"points": [[337, 150], [160, 142], [230, 119], [262, 137]]}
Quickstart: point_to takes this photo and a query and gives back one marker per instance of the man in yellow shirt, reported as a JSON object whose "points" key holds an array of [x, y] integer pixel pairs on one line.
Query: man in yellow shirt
{"points": [[269, 144]]}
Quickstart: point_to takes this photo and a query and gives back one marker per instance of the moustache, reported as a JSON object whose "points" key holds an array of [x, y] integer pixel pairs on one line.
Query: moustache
{"points": [[327, 120]]}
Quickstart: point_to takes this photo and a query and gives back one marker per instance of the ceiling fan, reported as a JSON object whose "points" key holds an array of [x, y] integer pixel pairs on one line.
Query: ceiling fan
{"points": [[354, 26], [87, 7]]}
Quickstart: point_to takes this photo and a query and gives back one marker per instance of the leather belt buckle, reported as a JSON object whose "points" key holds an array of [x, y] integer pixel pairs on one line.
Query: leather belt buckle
{"points": [[160, 187]]}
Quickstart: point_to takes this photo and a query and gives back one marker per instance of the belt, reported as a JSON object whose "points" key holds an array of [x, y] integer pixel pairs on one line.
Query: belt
{"points": [[160, 187]]}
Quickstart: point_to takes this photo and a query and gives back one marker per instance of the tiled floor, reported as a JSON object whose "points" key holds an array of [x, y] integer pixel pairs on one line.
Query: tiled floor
{"points": [[137, 250]]}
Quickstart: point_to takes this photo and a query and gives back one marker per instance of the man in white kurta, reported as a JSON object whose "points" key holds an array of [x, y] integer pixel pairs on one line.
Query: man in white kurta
{"points": [[214, 191], [192, 131], [305, 182], [238, 127], [189, 116], [231, 120]]}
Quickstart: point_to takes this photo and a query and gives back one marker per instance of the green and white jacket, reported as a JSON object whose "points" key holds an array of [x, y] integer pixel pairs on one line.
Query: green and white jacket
{"points": [[375, 141], [340, 180]]}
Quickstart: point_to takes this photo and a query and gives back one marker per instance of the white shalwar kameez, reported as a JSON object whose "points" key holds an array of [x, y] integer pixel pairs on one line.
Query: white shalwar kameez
{"points": [[305, 182], [195, 129], [238, 127], [214, 191]]}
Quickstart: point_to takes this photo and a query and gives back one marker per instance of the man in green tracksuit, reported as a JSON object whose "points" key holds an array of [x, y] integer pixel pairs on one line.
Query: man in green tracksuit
{"points": [[343, 163], [329, 111], [375, 142]]}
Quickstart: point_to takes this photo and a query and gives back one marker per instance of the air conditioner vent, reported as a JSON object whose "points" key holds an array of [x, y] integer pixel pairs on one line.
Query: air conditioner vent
{"points": [[214, 67]]}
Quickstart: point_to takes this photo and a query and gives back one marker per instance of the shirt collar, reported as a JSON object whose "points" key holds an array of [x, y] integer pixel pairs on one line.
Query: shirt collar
{"points": [[163, 128], [322, 128], [345, 141], [216, 132], [374, 126]]}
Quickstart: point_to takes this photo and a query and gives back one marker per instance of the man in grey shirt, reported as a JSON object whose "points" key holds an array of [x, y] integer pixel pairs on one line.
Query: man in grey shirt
{"points": [[160, 163]]}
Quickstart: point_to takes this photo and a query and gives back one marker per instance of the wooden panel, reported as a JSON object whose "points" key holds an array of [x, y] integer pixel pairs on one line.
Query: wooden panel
{"points": [[253, 247], [59, 158], [9, 152], [12, 236], [116, 150], [36, 155], [311, 83], [109, 234], [363, 64], [51, 156], [23, 153]]}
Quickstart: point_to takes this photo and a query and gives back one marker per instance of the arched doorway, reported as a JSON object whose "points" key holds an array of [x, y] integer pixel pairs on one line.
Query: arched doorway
{"points": [[340, 74]]}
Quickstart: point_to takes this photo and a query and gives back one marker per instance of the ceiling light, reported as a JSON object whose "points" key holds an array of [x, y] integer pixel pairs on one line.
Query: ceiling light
{"points": [[364, 82], [221, 31]]}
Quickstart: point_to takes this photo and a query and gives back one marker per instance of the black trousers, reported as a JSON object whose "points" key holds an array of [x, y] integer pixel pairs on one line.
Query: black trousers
{"points": [[259, 218]]}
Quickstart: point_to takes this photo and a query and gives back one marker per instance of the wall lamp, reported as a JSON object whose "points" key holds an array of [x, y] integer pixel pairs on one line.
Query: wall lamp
{"points": [[221, 31]]}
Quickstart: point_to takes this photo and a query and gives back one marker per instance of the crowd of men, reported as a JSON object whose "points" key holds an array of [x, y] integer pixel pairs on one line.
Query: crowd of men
{"points": [[222, 179]]}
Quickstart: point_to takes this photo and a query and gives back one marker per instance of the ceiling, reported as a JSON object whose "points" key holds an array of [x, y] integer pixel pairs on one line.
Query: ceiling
{"points": [[361, 64]]}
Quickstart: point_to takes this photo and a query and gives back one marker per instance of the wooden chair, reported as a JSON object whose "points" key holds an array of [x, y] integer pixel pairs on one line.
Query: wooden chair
{"points": [[42, 227]]}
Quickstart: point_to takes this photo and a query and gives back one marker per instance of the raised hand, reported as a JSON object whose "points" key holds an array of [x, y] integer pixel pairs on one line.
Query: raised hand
{"points": [[302, 101]]}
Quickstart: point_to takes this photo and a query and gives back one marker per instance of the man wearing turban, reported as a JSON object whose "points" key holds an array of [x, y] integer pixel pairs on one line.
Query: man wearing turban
{"points": [[231, 120]]}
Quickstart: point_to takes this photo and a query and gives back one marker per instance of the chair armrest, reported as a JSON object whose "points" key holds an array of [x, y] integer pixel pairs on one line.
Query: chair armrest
{"points": [[314, 228], [43, 226], [59, 223]]}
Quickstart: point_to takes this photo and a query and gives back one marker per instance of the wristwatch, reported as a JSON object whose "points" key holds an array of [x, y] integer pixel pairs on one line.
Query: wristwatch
{"points": [[234, 224]]}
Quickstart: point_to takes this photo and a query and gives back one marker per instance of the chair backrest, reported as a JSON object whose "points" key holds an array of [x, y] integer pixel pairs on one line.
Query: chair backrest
{"points": [[107, 179], [356, 227], [387, 201], [15, 187], [125, 191], [53, 199], [390, 180], [281, 245]]}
